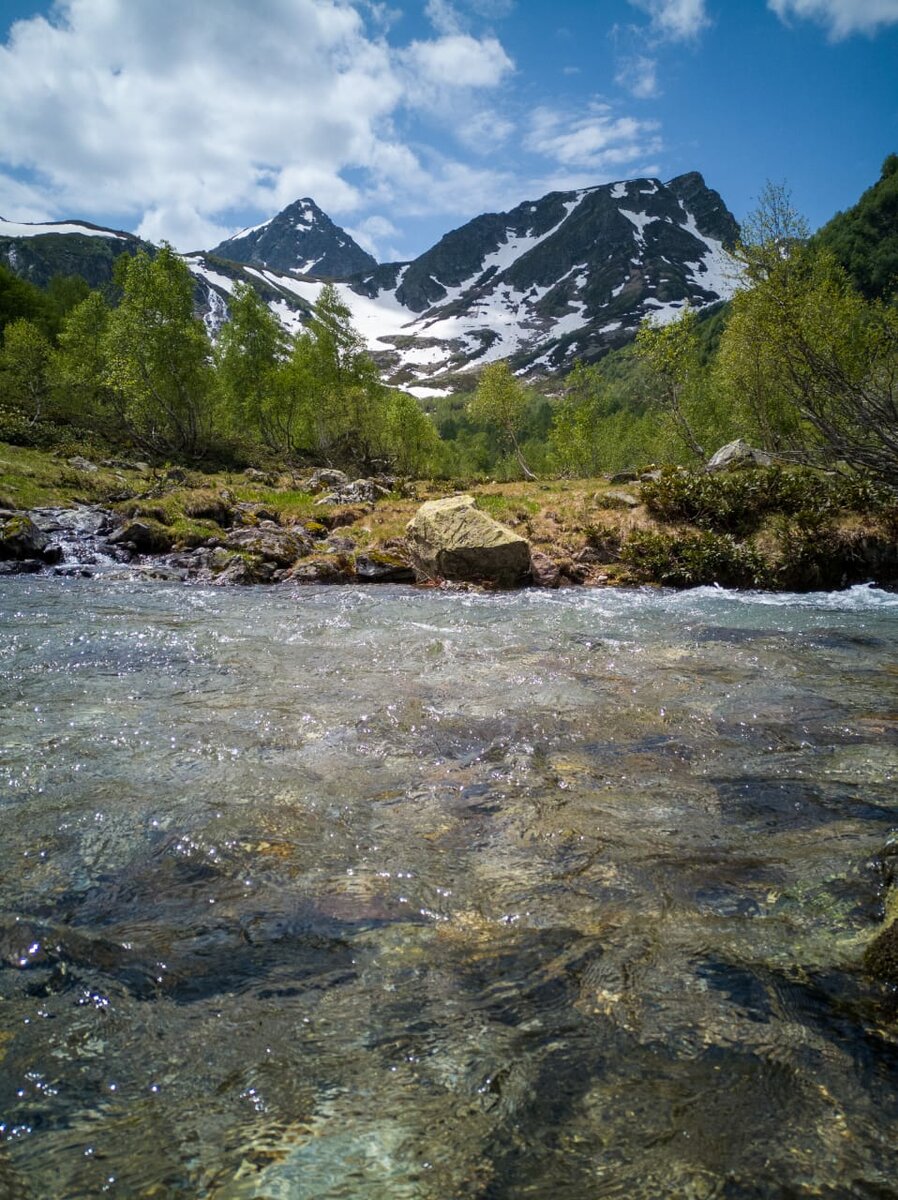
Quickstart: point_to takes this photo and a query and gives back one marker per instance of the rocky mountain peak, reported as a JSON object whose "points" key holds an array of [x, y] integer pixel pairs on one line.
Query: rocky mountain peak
{"points": [[302, 239]]}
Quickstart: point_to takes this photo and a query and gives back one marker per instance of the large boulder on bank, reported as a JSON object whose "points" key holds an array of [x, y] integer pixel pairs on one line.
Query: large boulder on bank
{"points": [[451, 539], [738, 454], [21, 539]]}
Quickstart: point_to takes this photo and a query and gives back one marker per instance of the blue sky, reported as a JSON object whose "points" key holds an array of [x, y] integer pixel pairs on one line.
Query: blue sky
{"points": [[187, 119]]}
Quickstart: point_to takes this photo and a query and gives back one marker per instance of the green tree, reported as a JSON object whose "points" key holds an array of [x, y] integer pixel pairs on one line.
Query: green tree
{"points": [[817, 362], [20, 299], [249, 357], [158, 356], [501, 400], [26, 369], [410, 440], [673, 355], [81, 363]]}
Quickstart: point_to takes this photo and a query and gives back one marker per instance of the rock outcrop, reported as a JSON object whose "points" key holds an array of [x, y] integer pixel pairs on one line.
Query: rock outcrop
{"points": [[738, 454], [452, 539]]}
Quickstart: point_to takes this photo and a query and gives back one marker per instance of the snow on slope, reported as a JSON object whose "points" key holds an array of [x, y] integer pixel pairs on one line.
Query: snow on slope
{"points": [[19, 229], [510, 304]]}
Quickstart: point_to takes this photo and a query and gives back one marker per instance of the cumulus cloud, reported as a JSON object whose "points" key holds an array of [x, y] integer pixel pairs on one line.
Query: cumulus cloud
{"points": [[676, 20], [172, 116], [597, 140], [840, 17]]}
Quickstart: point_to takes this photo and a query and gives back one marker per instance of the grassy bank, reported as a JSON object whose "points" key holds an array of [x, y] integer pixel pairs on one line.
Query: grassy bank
{"points": [[763, 527]]}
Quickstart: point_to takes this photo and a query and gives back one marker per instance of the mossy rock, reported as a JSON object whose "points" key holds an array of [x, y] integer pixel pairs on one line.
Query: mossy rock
{"points": [[147, 537], [374, 566], [20, 538], [881, 956], [209, 506]]}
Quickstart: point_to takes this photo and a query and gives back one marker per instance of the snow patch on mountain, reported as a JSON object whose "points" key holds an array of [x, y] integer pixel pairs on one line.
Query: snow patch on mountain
{"points": [[19, 229]]}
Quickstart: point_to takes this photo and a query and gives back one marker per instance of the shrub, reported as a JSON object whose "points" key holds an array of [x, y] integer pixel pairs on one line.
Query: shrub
{"points": [[693, 559]]}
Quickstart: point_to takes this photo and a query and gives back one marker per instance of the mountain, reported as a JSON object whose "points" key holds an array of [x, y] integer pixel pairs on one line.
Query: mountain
{"points": [[568, 276], [301, 238], [37, 252]]}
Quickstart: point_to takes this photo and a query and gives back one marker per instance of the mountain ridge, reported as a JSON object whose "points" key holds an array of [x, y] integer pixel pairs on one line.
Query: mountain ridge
{"points": [[569, 275]]}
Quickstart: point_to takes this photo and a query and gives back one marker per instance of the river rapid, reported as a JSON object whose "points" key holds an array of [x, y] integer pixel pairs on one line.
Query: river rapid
{"points": [[385, 894]]}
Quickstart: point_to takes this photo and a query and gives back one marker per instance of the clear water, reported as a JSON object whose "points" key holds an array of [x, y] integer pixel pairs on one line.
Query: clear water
{"points": [[383, 893]]}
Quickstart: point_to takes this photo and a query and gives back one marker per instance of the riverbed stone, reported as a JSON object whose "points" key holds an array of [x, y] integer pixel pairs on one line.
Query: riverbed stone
{"points": [[21, 539], [270, 543], [545, 572], [334, 569], [452, 539], [146, 537], [377, 567]]}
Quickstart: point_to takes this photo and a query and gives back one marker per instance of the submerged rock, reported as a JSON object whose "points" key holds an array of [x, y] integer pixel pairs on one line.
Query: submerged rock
{"points": [[451, 539]]}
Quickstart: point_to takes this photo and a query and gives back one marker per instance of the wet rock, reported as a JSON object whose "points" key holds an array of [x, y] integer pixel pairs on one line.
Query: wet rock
{"points": [[377, 567], [881, 956], [321, 570], [336, 544], [451, 539], [21, 539], [82, 464], [146, 537], [738, 454], [617, 499], [21, 566], [270, 543], [544, 571], [623, 477], [244, 571]]}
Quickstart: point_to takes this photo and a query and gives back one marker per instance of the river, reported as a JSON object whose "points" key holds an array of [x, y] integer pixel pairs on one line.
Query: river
{"points": [[387, 894]]}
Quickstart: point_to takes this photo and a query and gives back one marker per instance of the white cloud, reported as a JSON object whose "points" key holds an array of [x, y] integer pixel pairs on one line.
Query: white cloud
{"points": [[639, 75], [170, 116], [444, 17], [458, 60], [374, 233], [596, 140], [676, 20], [840, 17]]}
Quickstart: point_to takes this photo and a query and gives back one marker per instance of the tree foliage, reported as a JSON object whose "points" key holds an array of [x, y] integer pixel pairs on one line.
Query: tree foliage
{"points": [[158, 357], [501, 400]]}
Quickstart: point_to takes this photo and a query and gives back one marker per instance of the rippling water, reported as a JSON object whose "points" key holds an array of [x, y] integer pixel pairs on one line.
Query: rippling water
{"points": [[383, 893]]}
